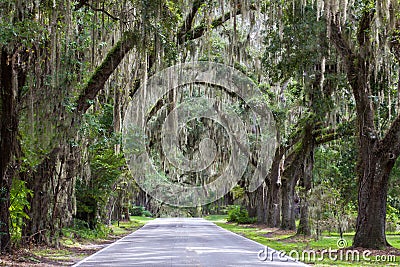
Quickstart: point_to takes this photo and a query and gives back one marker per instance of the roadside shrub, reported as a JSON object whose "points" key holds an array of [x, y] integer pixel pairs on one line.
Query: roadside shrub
{"points": [[81, 229], [139, 211], [392, 218], [238, 214], [136, 210], [147, 213], [19, 204]]}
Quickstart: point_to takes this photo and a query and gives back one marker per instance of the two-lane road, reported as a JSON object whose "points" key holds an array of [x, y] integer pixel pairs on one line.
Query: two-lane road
{"points": [[183, 242]]}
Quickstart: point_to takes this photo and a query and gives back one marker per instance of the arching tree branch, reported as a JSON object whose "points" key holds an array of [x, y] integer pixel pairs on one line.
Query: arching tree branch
{"points": [[187, 25], [197, 32], [83, 3], [103, 72], [391, 141]]}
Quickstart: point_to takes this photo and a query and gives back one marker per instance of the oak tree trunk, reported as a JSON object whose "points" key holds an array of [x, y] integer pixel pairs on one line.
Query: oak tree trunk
{"points": [[257, 205], [274, 196], [8, 127], [372, 196], [12, 78], [288, 218], [37, 228], [376, 156], [306, 176]]}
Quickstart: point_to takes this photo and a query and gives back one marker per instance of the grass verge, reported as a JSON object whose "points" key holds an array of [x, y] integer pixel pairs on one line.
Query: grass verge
{"points": [[311, 251], [76, 244]]}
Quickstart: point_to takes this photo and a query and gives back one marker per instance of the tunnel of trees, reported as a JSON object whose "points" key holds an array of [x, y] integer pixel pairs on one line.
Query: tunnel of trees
{"points": [[328, 70]]}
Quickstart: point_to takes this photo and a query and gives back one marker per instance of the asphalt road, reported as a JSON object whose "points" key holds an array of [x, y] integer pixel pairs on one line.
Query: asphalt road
{"points": [[185, 242]]}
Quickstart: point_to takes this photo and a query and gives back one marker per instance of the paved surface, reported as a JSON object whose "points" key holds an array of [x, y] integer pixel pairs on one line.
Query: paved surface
{"points": [[185, 242]]}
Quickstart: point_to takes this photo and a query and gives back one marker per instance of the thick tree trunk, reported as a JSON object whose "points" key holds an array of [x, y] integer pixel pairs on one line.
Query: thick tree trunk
{"points": [[306, 177], [304, 225], [372, 194], [274, 196], [257, 205], [376, 157], [288, 219], [12, 78], [37, 228], [269, 204], [291, 175], [7, 131], [376, 160], [52, 204]]}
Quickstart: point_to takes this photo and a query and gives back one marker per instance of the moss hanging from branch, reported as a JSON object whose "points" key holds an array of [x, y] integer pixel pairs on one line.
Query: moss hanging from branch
{"points": [[103, 72]]}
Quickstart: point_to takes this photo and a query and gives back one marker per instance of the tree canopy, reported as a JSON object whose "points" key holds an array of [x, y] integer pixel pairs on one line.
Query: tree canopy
{"points": [[327, 70]]}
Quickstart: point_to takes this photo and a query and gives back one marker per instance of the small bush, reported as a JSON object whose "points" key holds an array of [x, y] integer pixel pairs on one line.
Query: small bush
{"points": [[238, 214], [81, 229], [392, 218], [147, 213], [139, 211], [136, 210]]}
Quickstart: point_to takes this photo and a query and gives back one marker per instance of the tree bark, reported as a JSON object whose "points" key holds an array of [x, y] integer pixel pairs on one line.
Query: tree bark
{"points": [[12, 78], [376, 157], [256, 206], [274, 197], [37, 228], [304, 226], [371, 220], [103, 72], [9, 125], [288, 219]]}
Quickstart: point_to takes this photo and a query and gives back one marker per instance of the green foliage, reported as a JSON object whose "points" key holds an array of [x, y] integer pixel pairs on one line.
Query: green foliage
{"points": [[329, 211], [147, 213], [81, 229], [296, 49], [136, 210], [139, 211], [93, 196], [392, 214], [238, 214], [25, 32], [19, 204], [238, 192], [106, 167], [335, 167]]}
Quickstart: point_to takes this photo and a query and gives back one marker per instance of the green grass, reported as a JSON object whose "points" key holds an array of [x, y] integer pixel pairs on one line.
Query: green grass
{"points": [[53, 254], [75, 238], [216, 218], [287, 241], [126, 227], [141, 219]]}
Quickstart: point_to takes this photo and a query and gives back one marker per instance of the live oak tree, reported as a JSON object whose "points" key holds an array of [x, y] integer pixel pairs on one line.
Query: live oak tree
{"points": [[57, 46], [49, 80], [300, 62], [39, 42], [365, 35], [13, 74]]}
